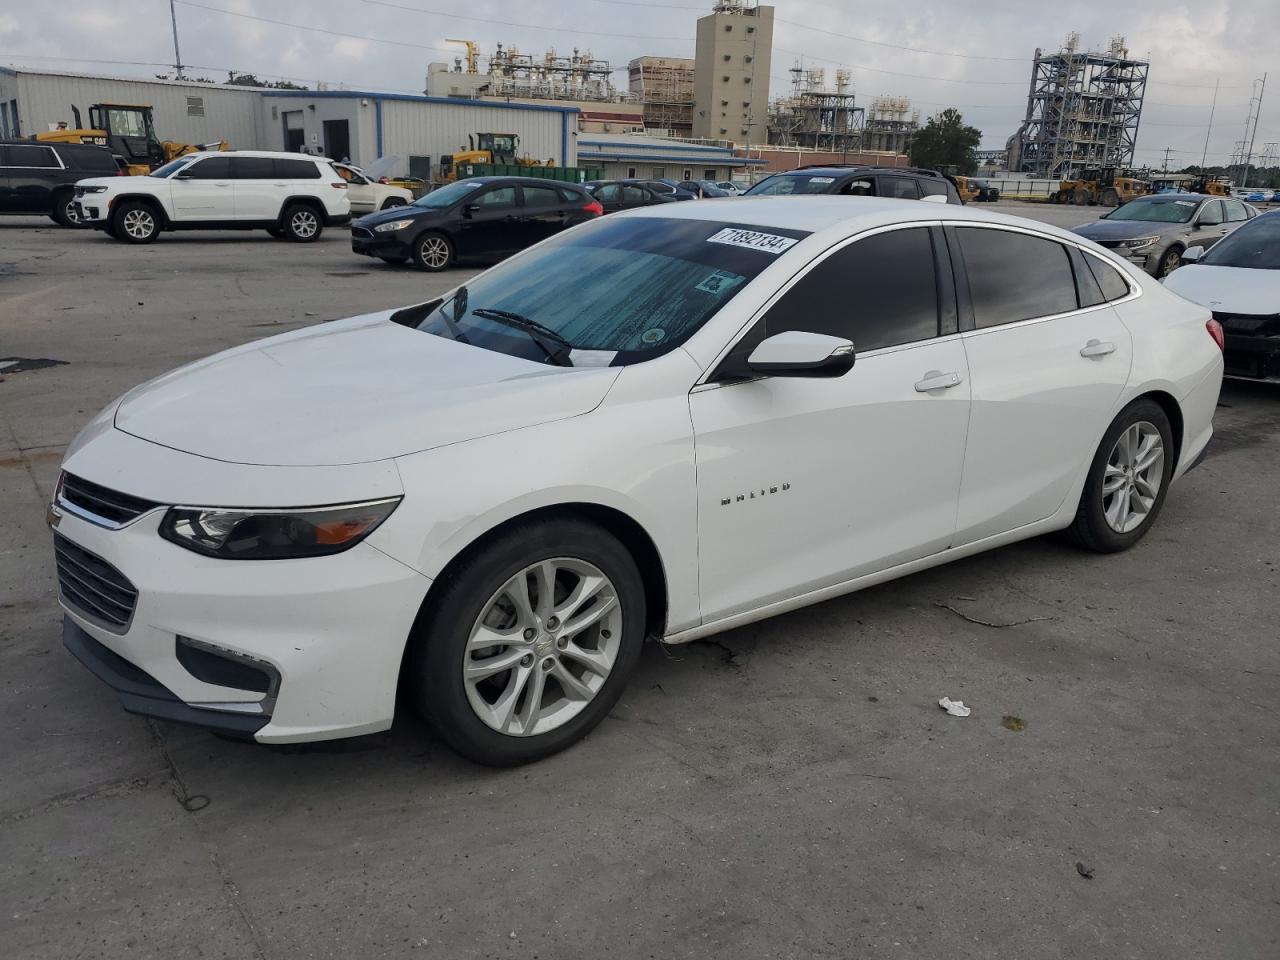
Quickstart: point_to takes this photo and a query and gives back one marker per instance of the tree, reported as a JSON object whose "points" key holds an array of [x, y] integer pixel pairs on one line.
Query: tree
{"points": [[946, 142]]}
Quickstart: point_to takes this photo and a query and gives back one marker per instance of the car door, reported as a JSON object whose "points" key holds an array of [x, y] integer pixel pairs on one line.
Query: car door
{"points": [[362, 194], [1209, 225], [489, 222], [8, 200], [544, 212], [1046, 374], [804, 483], [204, 190], [1236, 214], [256, 195], [33, 171], [634, 196], [610, 196]]}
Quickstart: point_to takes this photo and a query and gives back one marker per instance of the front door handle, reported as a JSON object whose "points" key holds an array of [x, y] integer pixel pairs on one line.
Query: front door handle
{"points": [[937, 380], [1097, 348]]}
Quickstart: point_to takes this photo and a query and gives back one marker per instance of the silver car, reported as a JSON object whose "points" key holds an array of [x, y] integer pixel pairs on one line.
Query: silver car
{"points": [[1153, 232]]}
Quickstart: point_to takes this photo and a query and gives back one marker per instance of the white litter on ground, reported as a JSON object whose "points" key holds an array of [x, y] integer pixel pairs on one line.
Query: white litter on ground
{"points": [[954, 707]]}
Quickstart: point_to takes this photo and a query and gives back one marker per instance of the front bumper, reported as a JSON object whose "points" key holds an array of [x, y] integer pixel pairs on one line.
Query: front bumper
{"points": [[92, 211], [367, 243], [336, 219], [333, 629]]}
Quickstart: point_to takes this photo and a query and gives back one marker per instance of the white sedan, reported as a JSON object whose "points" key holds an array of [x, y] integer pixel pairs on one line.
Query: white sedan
{"points": [[665, 423]]}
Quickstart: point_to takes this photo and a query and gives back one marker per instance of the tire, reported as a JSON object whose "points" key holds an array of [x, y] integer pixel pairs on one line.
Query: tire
{"points": [[1110, 198], [392, 202], [1080, 198], [276, 232], [63, 213], [433, 252], [301, 223], [1095, 526], [135, 222], [493, 720], [1170, 261], [395, 261]]}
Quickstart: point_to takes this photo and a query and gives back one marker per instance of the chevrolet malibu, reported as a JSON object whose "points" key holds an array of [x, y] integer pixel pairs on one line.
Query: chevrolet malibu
{"points": [[661, 424]]}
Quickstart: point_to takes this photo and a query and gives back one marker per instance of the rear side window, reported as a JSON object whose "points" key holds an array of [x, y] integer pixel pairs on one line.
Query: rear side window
{"points": [[634, 195], [289, 169], [252, 168], [877, 292], [932, 188], [1235, 211], [1014, 276], [541, 197], [90, 161], [899, 187], [1109, 280], [24, 156], [609, 192], [210, 168]]}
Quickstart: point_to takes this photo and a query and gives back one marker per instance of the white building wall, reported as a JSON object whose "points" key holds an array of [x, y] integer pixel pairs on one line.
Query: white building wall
{"points": [[358, 111], [429, 128], [230, 113]]}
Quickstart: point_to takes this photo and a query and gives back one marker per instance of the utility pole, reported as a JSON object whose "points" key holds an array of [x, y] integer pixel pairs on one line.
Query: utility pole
{"points": [[1257, 112], [1167, 151], [1212, 108], [1251, 129], [177, 54]]}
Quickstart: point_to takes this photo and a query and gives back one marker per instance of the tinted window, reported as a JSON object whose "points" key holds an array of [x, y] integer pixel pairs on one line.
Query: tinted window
{"points": [[609, 192], [661, 187], [787, 183], [1210, 214], [1113, 285], [1235, 210], [497, 197], [877, 292], [861, 187], [288, 169], [1013, 276], [1087, 290], [210, 168], [541, 197], [1256, 246], [21, 156], [634, 195], [899, 187], [252, 168], [91, 161], [932, 188]]}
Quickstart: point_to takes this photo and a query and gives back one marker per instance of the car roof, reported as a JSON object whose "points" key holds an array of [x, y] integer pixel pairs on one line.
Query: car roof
{"points": [[533, 181], [255, 153], [855, 169]]}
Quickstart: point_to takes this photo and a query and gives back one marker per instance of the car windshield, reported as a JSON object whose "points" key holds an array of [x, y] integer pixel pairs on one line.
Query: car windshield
{"points": [[170, 168], [617, 291], [789, 183], [448, 195], [1156, 210], [1255, 246]]}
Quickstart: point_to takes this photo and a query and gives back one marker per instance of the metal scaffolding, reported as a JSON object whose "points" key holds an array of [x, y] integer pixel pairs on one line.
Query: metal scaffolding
{"points": [[550, 76], [891, 124], [665, 86], [814, 116], [1083, 110]]}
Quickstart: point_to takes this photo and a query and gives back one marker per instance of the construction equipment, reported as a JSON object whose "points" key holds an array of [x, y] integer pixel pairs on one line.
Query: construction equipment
{"points": [[129, 132], [488, 148], [1100, 186], [968, 191], [1212, 186]]}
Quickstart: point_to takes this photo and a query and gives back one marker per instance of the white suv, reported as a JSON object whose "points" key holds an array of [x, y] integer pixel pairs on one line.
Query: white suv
{"points": [[287, 194]]}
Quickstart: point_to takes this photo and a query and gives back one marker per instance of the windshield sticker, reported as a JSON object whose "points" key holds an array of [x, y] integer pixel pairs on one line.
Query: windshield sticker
{"points": [[592, 358], [653, 335], [822, 179], [1185, 203], [718, 282], [752, 240]]}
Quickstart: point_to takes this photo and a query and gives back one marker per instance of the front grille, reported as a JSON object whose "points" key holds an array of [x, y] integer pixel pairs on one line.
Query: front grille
{"points": [[111, 505], [94, 587], [364, 233]]}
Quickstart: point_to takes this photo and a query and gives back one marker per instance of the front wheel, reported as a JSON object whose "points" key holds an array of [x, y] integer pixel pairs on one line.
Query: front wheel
{"points": [[1127, 480], [392, 202], [1170, 262], [302, 224], [530, 642], [135, 222], [433, 252]]}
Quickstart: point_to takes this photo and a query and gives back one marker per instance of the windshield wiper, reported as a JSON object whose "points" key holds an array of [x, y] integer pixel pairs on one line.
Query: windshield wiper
{"points": [[538, 333]]}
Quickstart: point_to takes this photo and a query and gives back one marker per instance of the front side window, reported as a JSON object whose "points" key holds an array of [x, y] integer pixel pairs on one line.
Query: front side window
{"points": [[448, 195], [877, 292], [210, 168], [609, 192], [1156, 210], [1015, 276], [626, 289], [1210, 214], [127, 123], [24, 156], [1255, 246], [497, 197], [170, 168]]}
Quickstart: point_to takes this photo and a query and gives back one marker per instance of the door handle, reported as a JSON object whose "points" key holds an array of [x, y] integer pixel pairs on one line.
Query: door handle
{"points": [[937, 380], [1097, 348]]}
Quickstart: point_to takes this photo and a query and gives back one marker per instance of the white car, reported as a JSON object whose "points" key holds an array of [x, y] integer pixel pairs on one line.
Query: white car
{"points": [[664, 423], [728, 186], [287, 194], [368, 194], [1239, 280]]}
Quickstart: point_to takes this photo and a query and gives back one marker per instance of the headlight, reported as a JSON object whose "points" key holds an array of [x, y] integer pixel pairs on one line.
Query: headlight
{"points": [[92, 189], [274, 534], [1140, 242], [392, 225]]}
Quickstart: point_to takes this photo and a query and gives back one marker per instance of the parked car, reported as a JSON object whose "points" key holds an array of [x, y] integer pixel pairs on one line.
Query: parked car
{"points": [[1239, 280], [1259, 195], [664, 423], [615, 195], [731, 188], [289, 195], [986, 192], [906, 183], [673, 189], [41, 177], [367, 194], [479, 218], [704, 189], [1153, 232]]}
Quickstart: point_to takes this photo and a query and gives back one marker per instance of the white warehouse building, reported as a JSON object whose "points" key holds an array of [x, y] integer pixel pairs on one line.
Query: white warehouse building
{"points": [[359, 125]]}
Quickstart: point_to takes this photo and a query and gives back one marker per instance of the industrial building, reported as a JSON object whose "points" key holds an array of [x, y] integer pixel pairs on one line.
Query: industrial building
{"points": [[659, 158], [1083, 110], [890, 125], [664, 86], [731, 75], [815, 117]]}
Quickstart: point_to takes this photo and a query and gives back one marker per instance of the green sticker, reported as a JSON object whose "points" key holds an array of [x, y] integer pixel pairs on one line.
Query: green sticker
{"points": [[718, 281]]}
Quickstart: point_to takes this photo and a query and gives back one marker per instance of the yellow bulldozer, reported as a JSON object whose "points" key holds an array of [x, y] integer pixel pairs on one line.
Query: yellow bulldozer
{"points": [[129, 132], [1100, 186], [488, 148]]}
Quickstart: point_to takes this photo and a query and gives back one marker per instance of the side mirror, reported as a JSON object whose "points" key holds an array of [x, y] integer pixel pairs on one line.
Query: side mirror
{"points": [[469, 209], [183, 176], [1192, 254], [796, 353]]}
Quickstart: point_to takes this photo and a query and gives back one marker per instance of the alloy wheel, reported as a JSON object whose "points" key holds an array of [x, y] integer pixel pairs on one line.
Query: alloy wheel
{"points": [[72, 216], [139, 224], [1132, 479], [435, 252], [304, 224], [1171, 262], [542, 647]]}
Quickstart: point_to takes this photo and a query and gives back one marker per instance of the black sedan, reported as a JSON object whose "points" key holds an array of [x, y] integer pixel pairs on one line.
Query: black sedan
{"points": [[483, 218], [615, 195]]}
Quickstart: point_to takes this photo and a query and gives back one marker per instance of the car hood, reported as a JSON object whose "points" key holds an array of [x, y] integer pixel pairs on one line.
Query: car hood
{"points": [[407, 212], [1126, 229], [107, 181], [354, 391], [1228, 289]]}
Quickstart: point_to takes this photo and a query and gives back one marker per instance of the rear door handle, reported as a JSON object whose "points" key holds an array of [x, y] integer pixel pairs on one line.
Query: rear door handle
{"points": [[1097, 348], [937, 380]]}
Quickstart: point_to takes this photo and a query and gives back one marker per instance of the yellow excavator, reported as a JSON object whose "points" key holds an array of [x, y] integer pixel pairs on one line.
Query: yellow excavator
{"points": [[129, 132], [1100, 186], [488, 148]]}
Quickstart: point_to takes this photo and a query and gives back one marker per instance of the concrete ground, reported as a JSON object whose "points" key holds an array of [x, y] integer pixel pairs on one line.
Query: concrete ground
{"points": [[791, 790]]}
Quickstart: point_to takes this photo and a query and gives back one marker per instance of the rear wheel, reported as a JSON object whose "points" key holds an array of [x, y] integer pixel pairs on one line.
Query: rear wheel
{"points": [[1080, 198], [432, 251], [135, 222], [531, 642], [301, 223], [1127, 480], [1110, 198], [63, 212]]}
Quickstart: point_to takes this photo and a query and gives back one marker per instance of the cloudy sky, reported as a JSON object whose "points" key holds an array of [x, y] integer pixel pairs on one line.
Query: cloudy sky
{"points": [[975, 56]]}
